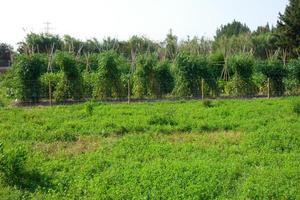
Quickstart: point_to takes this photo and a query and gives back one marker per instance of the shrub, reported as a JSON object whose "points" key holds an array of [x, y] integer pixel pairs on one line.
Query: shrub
{"points": [[26, 72], [109, 75], [89, 108], [207, 103], [242, 83], [144, 76], [70, 85], [275, 70], [165, 119], [12, 165], [189, 70], [164, 81], [296, 108]]}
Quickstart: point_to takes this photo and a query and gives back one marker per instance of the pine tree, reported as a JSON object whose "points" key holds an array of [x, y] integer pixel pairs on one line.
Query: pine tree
{"points": [[289, 28]]}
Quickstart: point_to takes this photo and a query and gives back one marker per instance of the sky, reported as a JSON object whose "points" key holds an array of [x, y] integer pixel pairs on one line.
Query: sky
{"points": [[85, 19]]}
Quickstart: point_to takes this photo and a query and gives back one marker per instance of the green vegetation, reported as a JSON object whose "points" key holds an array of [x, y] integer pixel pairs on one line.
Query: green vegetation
{"points": [[233, 149], [238, 62]]}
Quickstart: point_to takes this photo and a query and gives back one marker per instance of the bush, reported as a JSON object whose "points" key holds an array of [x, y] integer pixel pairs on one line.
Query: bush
{"points": [[296, 108], [70, 84], [275, 70], [164, 119], [89, 108], [207, 103], [242, 83], [12, 165], [189, 70], [109, 76], [26, 72], [144, 75]]}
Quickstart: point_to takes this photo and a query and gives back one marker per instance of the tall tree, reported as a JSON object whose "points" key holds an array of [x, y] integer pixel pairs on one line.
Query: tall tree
{"points": [[40, 43], [289, 28], [171, 45], [232, 29]]}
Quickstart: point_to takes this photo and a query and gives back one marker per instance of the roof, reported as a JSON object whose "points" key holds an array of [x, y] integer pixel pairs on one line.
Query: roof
{"points": [[3, 69]]}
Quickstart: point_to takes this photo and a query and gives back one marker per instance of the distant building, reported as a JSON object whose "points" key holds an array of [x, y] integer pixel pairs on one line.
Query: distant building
{"points": [[3, 69], [4, 65]]}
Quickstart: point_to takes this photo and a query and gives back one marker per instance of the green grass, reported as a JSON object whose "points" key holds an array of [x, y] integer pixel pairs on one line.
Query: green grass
{"points": [[233, 149]]}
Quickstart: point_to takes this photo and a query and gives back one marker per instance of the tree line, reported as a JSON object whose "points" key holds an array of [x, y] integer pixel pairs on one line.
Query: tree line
{"points": [[237, 62]]}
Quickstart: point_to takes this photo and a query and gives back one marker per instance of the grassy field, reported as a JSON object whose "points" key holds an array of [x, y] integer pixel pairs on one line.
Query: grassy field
{"points": [[233, 149]]}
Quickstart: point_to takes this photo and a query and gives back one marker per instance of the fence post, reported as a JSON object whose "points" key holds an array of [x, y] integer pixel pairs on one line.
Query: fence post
{"points": [[128, 91], [268, 88], [202, 88], [50, 93]]}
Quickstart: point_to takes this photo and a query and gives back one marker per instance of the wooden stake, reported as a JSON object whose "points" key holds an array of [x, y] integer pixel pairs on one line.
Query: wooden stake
{"points": [[202, 88], [50, 94], [128, 91], [268, 88]]}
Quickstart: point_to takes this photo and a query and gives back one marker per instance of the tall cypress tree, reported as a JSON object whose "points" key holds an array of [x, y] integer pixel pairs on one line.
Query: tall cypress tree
{"points": [[289, 28]]}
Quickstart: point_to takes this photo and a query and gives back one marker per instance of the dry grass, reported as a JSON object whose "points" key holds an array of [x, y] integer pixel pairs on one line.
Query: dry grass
{"points": [[205, 139], [81, 146]]}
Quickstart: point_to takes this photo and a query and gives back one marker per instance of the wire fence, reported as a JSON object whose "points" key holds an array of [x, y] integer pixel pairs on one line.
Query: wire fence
{"points": [[34, 93]]}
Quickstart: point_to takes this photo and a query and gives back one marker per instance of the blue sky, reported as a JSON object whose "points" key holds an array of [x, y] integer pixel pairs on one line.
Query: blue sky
{"points": [[124, 18]]}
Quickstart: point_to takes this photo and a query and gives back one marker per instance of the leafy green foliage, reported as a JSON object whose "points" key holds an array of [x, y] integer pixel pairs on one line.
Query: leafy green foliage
{"points": [[70, 83], [26, 73], [288, 27], [207, 103], [296, 108], [12, 164], [40, 43], [89, 108], [232, 29], [275, 70], [164, 80], [235, 150], [171, 46], [242, 66], [189, 71], [144, 76], [294, 69], [216, 64], [109, 76]]}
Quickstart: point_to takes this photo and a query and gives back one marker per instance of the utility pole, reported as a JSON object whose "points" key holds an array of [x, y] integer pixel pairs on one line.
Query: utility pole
{"points": [[47, 27]]}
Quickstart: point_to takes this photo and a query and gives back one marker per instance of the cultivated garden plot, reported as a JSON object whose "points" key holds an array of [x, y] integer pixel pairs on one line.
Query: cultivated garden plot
{"points": [[158, 115], [233, 149]]}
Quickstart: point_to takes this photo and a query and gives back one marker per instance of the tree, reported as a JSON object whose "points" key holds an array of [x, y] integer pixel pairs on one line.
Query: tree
{"points": [[171, 45], [72, 45], [288, 28], [292, 81], [197, 46], [294, 69], [264, 44], [40, 43], [232, 29]]}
